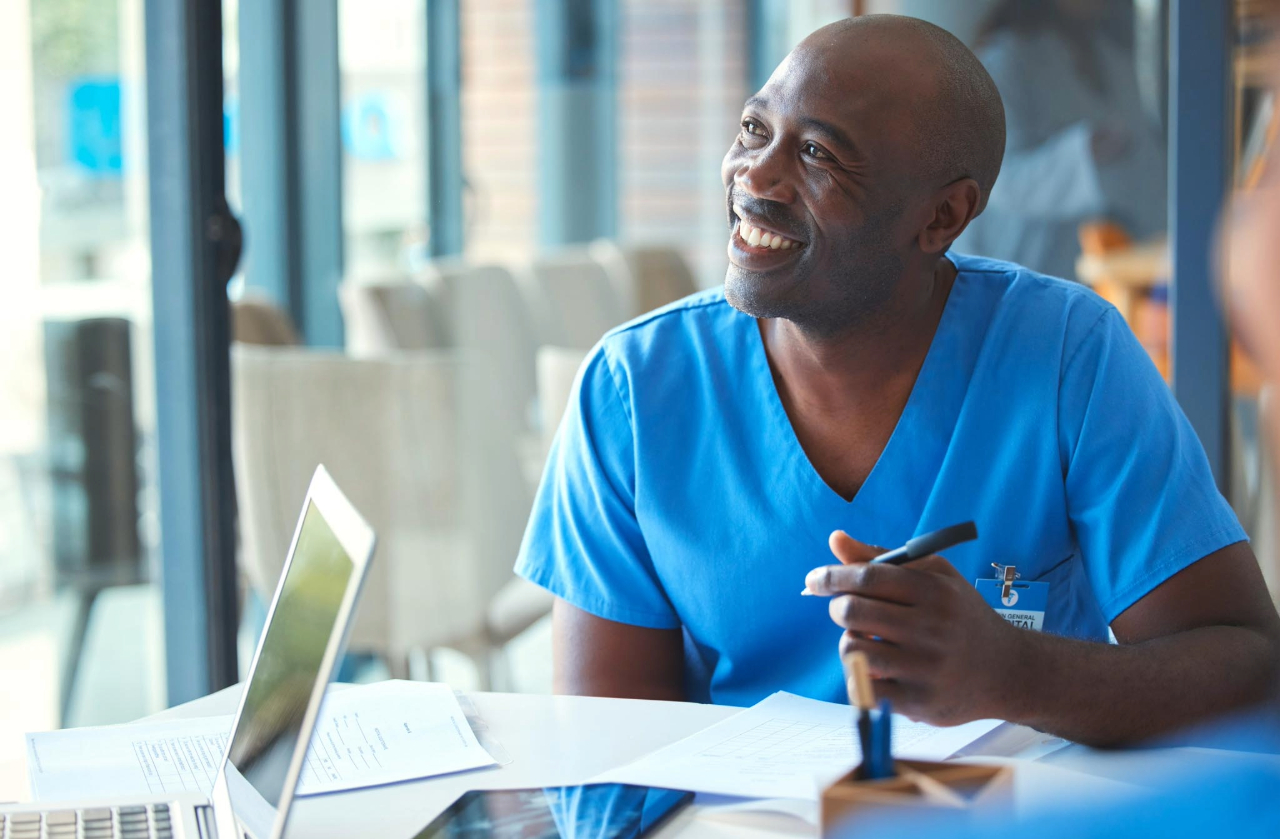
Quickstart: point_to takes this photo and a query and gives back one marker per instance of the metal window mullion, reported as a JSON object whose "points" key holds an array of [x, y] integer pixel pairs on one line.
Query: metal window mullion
{"points": [[577, 126], [1199, 180], [292, 159], [444, 128], [191, 333]]}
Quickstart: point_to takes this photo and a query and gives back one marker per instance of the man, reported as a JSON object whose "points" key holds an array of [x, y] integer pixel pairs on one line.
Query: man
{"points": [[1233, 796], [856, 377]]}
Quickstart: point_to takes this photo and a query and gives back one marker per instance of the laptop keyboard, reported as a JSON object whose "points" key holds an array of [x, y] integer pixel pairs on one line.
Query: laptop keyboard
{"points": [[134, 822]]}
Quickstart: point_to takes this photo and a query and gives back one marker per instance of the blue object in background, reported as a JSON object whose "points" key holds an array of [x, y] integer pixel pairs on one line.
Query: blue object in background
{"points": [[231, 125], [369, 129], [95, 140]]}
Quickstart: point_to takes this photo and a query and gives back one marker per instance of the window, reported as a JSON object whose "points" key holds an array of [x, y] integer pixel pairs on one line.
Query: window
{"points": [[80, 617]]}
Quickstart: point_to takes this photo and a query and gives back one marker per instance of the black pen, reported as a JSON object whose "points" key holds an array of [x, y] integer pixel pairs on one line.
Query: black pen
{"points": [[929, 543]]}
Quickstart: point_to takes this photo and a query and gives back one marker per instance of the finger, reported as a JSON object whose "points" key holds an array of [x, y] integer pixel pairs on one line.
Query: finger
{"points": [[885, 660], [866, 616], [936, 564], [898, 584], [849, 550], [906, 697]]}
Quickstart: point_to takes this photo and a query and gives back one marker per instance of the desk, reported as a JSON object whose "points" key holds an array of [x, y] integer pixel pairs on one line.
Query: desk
{"points": [[562, 740]]}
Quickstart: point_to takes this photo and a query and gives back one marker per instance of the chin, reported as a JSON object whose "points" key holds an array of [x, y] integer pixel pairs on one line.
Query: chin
{"points": [[757, 295]]}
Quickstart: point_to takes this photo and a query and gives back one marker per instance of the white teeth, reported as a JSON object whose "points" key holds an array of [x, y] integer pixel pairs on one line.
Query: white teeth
{"points": [[758, 238]]}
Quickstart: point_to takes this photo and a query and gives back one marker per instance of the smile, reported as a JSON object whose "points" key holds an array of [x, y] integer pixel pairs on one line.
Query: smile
{"points": [[758, 238], [755, 248]]}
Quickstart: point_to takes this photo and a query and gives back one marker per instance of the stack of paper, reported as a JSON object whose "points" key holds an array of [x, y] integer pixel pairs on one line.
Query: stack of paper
{"points": [[365, 736], [784, 747]]}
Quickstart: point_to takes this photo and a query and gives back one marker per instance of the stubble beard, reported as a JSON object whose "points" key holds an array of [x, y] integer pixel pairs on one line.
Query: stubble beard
{"points": [[858, 290]]}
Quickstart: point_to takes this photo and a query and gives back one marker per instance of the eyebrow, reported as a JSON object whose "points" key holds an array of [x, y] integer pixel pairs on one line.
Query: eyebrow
{"points": [[838, 135]]}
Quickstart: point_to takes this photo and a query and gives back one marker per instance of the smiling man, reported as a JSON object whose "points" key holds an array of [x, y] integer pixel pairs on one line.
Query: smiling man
{"points": [[855, 377]]}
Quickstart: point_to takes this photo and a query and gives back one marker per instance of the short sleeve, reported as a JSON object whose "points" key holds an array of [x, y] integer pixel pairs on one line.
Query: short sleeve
{"points": [[1140, 494], [583, 542]]}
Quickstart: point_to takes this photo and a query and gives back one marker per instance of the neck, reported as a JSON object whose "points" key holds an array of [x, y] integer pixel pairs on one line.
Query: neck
{"points": [[876, 354]]}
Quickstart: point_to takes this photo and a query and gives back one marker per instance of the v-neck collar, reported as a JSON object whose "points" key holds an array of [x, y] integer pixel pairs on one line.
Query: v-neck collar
{"points": [[898, 485]]}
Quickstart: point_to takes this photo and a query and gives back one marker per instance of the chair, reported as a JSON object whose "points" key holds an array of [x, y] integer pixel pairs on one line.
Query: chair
{"points": [[388, 431], [256, 319], [494, 336], [571, 298], [390, 316], [557, 371], [489, 321], [647, 276]]}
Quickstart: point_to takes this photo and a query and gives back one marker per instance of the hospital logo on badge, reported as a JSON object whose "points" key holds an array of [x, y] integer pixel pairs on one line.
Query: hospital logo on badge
{"points": [[1012, 599]]}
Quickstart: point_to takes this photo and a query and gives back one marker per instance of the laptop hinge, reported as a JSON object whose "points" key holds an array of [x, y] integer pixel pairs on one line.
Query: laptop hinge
{"points": [[204, 822]]}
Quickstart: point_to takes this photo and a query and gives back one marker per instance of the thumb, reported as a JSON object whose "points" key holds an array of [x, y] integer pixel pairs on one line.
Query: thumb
{"points": [[849, 550]]}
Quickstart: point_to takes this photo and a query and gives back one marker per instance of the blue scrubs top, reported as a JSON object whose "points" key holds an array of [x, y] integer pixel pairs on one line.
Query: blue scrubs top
{"points": [[676, 494]]}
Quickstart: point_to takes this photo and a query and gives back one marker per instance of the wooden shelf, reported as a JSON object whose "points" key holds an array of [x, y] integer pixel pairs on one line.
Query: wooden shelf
{"points": [[1258, 66]]}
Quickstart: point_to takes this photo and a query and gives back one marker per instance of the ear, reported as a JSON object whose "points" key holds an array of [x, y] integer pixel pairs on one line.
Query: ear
{"points": [[954, 206]]}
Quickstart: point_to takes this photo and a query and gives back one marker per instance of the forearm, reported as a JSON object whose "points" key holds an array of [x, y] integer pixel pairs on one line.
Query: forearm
{"points": [[1108, 695]]}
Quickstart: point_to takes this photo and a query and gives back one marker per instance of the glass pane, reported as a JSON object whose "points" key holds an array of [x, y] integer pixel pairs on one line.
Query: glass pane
{"points": [[231, 99], [682, 81], [382, 59], [80, 618], [498, 129], [1252, 490]]}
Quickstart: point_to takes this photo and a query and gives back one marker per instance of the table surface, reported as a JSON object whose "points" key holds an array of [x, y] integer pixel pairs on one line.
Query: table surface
{"points": [[564, 740]]}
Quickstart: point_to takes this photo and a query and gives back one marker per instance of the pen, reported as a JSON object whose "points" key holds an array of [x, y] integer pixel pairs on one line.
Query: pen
{"points": [[922, 546], [863, 697]]}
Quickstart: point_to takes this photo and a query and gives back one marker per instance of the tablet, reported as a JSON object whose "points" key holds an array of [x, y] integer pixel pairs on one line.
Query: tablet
{"points": [[600, 811]]}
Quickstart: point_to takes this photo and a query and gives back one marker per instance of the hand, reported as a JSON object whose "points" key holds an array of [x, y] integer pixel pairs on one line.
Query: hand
{"points": [[936, 650]]}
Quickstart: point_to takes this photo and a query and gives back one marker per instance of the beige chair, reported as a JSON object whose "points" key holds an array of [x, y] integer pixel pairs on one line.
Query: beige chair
{"points": [[494, 335], [557, 372], [392, 315], [646, 277], [256, 319], [489, 321], [571, 297], [388, 431]]}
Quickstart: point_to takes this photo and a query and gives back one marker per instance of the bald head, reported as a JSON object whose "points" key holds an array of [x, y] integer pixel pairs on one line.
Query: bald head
{"points": [[859, 162], [956, 114]]}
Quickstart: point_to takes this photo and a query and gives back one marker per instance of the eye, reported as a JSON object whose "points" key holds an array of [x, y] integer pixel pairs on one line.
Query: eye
{"points": [[752, 135], [815, 151]]}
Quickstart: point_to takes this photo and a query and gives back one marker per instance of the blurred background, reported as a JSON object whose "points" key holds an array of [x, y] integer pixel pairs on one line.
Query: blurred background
{"points": [[438, 207]]}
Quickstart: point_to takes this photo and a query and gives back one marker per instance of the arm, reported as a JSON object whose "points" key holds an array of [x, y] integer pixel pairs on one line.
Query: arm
{"points": [[1203, 643], [615, 631], [598, 657]]}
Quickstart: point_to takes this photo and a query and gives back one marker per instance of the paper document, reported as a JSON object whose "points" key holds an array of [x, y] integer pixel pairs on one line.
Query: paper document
{"points": [[366, 736], [785, 746]]}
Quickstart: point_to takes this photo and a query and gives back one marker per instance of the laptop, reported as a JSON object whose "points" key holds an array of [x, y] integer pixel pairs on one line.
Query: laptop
{"points": [[305, 633]]}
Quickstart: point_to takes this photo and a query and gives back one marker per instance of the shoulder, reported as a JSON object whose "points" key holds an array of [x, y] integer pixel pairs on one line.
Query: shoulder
{"points": [[1030, 309], [1028, 292], [674, 331]]}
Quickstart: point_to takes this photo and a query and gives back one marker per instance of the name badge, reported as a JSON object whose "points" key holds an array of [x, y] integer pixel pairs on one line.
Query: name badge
{"points": [[1024, 604]]}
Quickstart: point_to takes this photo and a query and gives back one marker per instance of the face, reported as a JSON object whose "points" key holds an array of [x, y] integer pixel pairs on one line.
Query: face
{"points": [[819, 190], [1252, 281]]}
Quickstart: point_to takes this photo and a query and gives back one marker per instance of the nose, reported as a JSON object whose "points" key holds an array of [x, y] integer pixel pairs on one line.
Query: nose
{"points": [[765, 174]]}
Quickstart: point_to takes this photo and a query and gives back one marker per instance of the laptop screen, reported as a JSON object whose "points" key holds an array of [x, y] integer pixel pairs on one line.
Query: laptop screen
{"points": [[289, 664]]}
